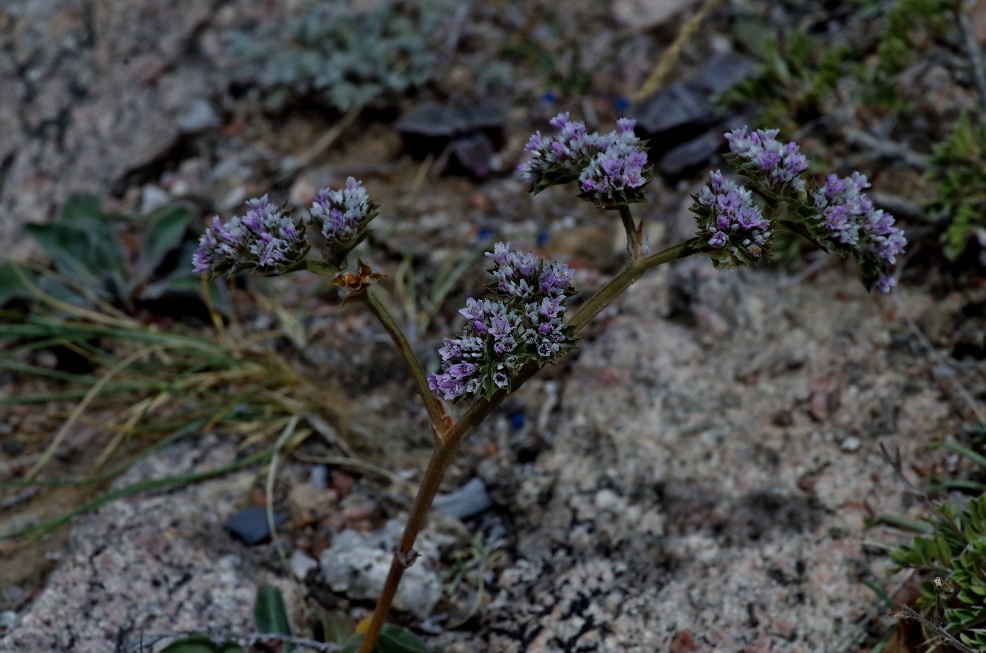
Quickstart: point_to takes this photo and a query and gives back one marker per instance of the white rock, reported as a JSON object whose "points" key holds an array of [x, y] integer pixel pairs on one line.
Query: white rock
{"points": [[645, 14], [153, 197], [8, 619], [197, 116], [357, 564], [302, 563], [851, 444]]}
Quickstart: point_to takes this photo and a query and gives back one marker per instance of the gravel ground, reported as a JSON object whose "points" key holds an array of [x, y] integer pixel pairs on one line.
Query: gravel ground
{"points": [[698, 478]]}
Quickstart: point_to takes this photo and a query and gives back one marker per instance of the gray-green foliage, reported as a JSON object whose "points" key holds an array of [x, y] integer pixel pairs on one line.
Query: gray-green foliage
{"points": [[84, 245], [344, 55], [954, 550], [959, 172], [909, 25], [796, 72], [801, 67]]}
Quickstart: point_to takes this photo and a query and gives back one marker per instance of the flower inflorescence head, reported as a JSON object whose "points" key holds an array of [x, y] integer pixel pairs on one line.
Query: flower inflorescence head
{"points": [[611, 169], [342, 217], [776, 165], [836, 215], [732, 224], [522, 323], [264, 239], [845, 220], [269, 242]]}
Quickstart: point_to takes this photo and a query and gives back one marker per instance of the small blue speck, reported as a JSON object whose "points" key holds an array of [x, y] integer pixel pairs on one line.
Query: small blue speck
{"points": [[517, 421], [542, 237], [621, 104], [550, 97]]}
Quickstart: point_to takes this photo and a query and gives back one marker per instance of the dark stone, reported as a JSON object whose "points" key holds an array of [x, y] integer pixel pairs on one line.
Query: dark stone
{"points": [[683, 123], [474, 154], [724, 71], [687, 158], [675, 115], [250, 525], [430, 127], [469, 500]]}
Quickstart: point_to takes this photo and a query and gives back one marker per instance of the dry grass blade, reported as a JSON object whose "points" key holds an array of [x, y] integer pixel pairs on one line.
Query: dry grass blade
{"points": [[286, 434], [109, 316], [223, 380], [81, 407], [670, 56]]}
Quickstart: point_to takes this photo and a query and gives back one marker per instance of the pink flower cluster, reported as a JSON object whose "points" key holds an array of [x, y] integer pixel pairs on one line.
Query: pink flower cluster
{"points": [[264, 239], [523, 323], [609, 168], [731, 221], [847, 219], [761, 156]]}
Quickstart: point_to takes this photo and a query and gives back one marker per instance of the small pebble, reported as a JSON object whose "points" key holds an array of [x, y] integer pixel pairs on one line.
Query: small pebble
{"points": [[197, 116], [153, 197], [8, 618], [851, 444], [319, 476], [469, 500], [302, 563], [250, 525]]}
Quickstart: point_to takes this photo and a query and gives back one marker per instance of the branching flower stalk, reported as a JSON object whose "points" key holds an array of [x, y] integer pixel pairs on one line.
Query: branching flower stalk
{"points": [[524, 324]]}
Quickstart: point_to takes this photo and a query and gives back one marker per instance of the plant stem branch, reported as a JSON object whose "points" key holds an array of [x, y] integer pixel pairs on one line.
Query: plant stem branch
{"points": [[627, 276], [633, 238], [439, 420], [441, 458], [319, 268], [478, 411]]}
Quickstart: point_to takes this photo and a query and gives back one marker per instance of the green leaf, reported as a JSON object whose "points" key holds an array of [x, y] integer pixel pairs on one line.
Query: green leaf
{"points": [[165, 233], [80, 208], [337, 627], [11, 285], [269, 613], [393, 639], [85, 251], [200, 644]]}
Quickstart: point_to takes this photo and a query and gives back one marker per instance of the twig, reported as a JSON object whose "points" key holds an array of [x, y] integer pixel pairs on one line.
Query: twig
{"points": [[886, 148], [897, 205], [909, 612], [269, 488], [893, 459], [973, 50], [321, 144], [220, 638], [670, 56]]}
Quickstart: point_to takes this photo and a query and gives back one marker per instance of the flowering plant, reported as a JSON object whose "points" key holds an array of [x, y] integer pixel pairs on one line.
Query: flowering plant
{"points": [[525, 323]]}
